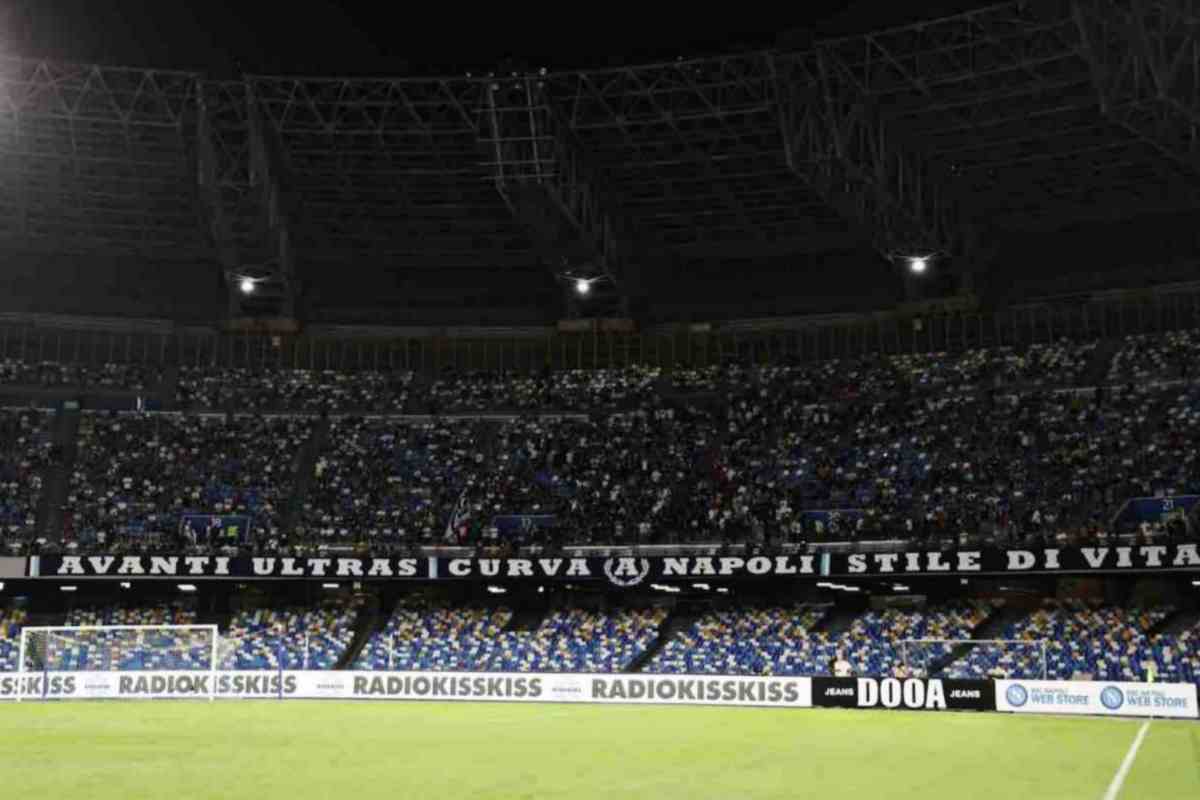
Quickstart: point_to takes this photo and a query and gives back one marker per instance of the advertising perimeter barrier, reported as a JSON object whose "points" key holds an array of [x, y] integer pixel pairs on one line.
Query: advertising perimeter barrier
{"points": [[1177, 700]]}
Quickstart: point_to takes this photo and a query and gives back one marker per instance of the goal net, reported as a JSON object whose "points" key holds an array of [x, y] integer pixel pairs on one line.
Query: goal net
{"points": [[119, 648], [975, 658]]}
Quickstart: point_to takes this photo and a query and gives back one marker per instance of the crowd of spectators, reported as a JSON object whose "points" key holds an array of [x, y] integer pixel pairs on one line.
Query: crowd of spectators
{"points": [[26, 452], [549, 391], [615, 478], [109, 376], [1051, 465], [705, 379], [137, 475], [289, 638], [1160, 357], [263, 390], [388, 482], [11, 622], [981, 445]]}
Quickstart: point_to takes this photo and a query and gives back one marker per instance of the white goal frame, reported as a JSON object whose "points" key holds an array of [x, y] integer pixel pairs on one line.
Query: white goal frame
{"points": [[213, 665], [1041, 644]]}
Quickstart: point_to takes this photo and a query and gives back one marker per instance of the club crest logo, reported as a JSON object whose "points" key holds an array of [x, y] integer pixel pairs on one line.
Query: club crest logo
{"points": [[625, 571], [1017, 695], [1112, 698]]}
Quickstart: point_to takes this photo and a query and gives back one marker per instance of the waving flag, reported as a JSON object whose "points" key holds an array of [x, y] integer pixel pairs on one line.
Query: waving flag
{"points": [[457, 524]]}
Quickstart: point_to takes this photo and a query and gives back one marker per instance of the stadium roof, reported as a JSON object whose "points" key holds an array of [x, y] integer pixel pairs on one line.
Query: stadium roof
{"points": [[936, 137]]}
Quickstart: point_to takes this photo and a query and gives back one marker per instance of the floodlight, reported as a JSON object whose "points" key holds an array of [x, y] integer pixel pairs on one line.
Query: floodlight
{"points": [[918, 265], [247, 285], [582, 286]]}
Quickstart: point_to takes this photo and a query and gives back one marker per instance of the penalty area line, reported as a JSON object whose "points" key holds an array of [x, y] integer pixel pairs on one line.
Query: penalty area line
{"points": [[1114, 788]]}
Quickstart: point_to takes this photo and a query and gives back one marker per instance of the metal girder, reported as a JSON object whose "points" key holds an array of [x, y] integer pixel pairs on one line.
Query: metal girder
{"points": [[593, 208], [837, 141], [967, 58], [95, 156], [376, 108], [78, 92], [703, 116], [629, 98], [209, 191], [549, 180], [271, 182], [1144, 57]]}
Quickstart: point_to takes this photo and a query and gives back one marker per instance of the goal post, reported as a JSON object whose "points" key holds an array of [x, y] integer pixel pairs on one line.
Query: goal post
{"points": [[118, 648], [977, 658]]}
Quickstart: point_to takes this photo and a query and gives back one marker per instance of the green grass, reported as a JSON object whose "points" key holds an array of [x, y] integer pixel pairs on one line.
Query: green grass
{"points": [[363, 751]]}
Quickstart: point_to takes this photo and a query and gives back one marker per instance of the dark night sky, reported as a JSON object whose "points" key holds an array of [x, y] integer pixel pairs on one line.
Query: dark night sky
{"points": [[354, 37]]}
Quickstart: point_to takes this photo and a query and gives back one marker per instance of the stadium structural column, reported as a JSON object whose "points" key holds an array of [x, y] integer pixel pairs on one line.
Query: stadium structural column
{"points": [[546, 176], [269, 176], [838, 143]]}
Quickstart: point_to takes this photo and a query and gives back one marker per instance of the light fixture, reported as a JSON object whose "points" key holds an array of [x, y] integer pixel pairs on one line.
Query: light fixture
{"points": [[187, 587], [68, 588], [703, 586], [582, 286], [329, 586], [126, 585], [1, 586], [839, 587], [497, 590], [247, 286], [918, 264]]}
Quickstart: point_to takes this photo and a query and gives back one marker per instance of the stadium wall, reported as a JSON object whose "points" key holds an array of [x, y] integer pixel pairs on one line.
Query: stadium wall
{"points": [[911, 694]]}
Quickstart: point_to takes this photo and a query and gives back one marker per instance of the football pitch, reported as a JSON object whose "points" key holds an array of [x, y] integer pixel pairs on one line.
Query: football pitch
{"points": [[363, 751]]}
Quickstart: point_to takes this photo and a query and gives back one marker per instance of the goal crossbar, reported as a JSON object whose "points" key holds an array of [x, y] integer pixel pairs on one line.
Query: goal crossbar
{"points": [[27, 632]]}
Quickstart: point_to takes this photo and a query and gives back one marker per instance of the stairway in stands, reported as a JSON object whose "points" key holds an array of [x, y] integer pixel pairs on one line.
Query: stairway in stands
{"points": [[166, 391], [837, 622], [1174, 624], [1096, 372], [679, 620], [528, 620], [366, 625], [991, 628], [304, 475], [56, 480]]}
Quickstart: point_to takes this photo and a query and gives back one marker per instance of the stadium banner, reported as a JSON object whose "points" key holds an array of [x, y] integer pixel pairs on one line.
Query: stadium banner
{"points": [[912, 694], [583, 688], [1097, 697], [215, 529], [627, 571], [363, 685]]}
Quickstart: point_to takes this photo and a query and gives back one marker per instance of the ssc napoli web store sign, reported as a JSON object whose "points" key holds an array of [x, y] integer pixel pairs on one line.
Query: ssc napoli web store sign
{"points": [[1098, 697]]}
